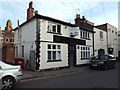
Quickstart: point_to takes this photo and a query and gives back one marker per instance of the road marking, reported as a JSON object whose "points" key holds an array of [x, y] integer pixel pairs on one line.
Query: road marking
{"points": [[52, 76]]}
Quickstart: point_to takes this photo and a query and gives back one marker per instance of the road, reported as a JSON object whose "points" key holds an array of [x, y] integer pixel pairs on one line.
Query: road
{"points": [[86, 79]]}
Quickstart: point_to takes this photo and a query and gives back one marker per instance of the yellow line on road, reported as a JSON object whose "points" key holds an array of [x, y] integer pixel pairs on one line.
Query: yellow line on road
{"points": [[51, 76]]}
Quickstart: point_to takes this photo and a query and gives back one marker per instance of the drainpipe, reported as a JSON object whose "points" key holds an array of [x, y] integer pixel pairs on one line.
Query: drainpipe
{"points": [[37, 44], [93, 45]]}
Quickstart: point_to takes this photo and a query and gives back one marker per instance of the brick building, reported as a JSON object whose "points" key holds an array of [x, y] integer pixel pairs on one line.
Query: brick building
{"points": [[7, 48]]}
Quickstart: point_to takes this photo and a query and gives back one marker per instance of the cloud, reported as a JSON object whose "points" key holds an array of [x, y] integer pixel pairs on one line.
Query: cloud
{"points": [[60, 9]]}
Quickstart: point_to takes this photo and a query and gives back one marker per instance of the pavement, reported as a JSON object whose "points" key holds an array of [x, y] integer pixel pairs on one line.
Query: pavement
{"points": [[27, 74]]}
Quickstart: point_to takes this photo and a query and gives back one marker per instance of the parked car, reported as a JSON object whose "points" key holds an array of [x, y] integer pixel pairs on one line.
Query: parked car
{"points": [[104, 61], [9, 74]]}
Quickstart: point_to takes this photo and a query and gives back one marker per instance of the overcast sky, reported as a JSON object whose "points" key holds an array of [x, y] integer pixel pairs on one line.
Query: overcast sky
{"points": [[96, 11]]}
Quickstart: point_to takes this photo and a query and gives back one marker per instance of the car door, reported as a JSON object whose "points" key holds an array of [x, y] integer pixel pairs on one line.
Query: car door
{"points": [[1, 71]]}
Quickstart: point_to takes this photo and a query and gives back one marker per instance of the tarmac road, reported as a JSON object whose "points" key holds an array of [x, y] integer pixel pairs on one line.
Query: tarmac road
{"points": [[84, 79]]}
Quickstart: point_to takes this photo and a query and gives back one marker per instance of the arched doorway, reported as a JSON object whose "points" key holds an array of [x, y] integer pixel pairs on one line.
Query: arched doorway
{"points": [[101, 52]]}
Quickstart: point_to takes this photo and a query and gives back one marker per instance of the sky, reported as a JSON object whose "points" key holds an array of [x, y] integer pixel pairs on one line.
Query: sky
{"points": [[97, 11]]}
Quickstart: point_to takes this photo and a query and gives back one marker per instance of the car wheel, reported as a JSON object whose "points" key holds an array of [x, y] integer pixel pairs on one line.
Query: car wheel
{"points": [[7, 83], [106, 67]]}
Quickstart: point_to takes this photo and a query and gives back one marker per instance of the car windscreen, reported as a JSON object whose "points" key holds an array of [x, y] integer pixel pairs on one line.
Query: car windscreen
{"points": [[104, 57]]}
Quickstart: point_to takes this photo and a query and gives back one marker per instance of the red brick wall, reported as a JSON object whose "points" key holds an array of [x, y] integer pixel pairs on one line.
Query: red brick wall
{"points": [[8, 53]]}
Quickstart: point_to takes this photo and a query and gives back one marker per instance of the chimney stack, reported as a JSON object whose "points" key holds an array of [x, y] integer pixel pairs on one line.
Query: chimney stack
{"points": [[30, 11], [78, 20]]}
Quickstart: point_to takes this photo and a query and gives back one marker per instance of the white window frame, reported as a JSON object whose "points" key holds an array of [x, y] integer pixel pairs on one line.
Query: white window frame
{"points": [[51, 28], [52, 50], [86, 51]]}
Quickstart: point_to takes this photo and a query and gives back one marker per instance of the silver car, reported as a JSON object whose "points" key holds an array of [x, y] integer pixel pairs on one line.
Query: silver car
{"points": [[9, 74]]}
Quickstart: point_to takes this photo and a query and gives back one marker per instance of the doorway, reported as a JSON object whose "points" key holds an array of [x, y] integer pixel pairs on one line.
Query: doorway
{"points": [[71, 55], [101, 52]]}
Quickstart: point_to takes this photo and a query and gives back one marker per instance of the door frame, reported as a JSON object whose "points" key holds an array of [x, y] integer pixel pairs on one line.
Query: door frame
{"points": [[71, 55]]}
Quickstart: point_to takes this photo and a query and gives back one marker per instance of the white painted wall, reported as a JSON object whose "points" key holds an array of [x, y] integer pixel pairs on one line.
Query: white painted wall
{"points": [[44, 36], [119, 41], [43, 56], [28, 37], [100, 43], [112, 39]]}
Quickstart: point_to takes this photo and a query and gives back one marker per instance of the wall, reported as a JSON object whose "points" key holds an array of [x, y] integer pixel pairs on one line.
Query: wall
{"points": [[28, 37], [43, 56], [46, 38], [100, 43], [113, 39]]}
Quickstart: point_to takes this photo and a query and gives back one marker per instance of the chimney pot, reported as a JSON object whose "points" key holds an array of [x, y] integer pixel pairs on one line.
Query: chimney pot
{"points": [[77, 15], [30, 4]]}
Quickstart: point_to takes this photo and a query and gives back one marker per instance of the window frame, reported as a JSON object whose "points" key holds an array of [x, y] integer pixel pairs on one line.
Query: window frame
{"points": [[56, 50], [22, 51], [85, 35], [16, 52], [8, 40], [11, 41], [52, 26], [85, 52], [101, 35]]}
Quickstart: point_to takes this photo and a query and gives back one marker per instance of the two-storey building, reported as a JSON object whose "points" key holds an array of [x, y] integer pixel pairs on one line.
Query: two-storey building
{"points": [[46, 42], [112, 38], [100, 41]]}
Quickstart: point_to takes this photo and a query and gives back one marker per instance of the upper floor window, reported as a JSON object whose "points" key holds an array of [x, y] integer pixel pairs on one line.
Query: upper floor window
{"points": [[1, 40], [55, 28], [6, 40], [84, 35], [101, 35], [11, 40]]}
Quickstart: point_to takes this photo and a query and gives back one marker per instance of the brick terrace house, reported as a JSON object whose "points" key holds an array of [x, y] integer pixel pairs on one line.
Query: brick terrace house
{"points": [[7, 48]]}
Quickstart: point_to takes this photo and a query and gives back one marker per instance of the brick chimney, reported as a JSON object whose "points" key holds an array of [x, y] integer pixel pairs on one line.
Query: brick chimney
{"points": [[78, 20], [30, 11]]}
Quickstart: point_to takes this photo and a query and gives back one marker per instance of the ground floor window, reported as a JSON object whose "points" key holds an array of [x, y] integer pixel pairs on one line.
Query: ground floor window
{"points": [[16, 51], [53, 52], [22, 51], [85, 52]]}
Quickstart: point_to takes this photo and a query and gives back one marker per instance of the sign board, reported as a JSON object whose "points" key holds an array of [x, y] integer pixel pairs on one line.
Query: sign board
{"points": [[74, 31]]}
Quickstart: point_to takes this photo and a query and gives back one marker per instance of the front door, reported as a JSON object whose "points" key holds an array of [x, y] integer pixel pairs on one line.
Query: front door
{"points": [[71, 55], [32, 60]]}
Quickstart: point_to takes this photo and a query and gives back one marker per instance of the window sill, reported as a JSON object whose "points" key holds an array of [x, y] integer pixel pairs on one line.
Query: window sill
{"points": [[54, 32], [54, 60], [85, 38], [84, 58]]}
